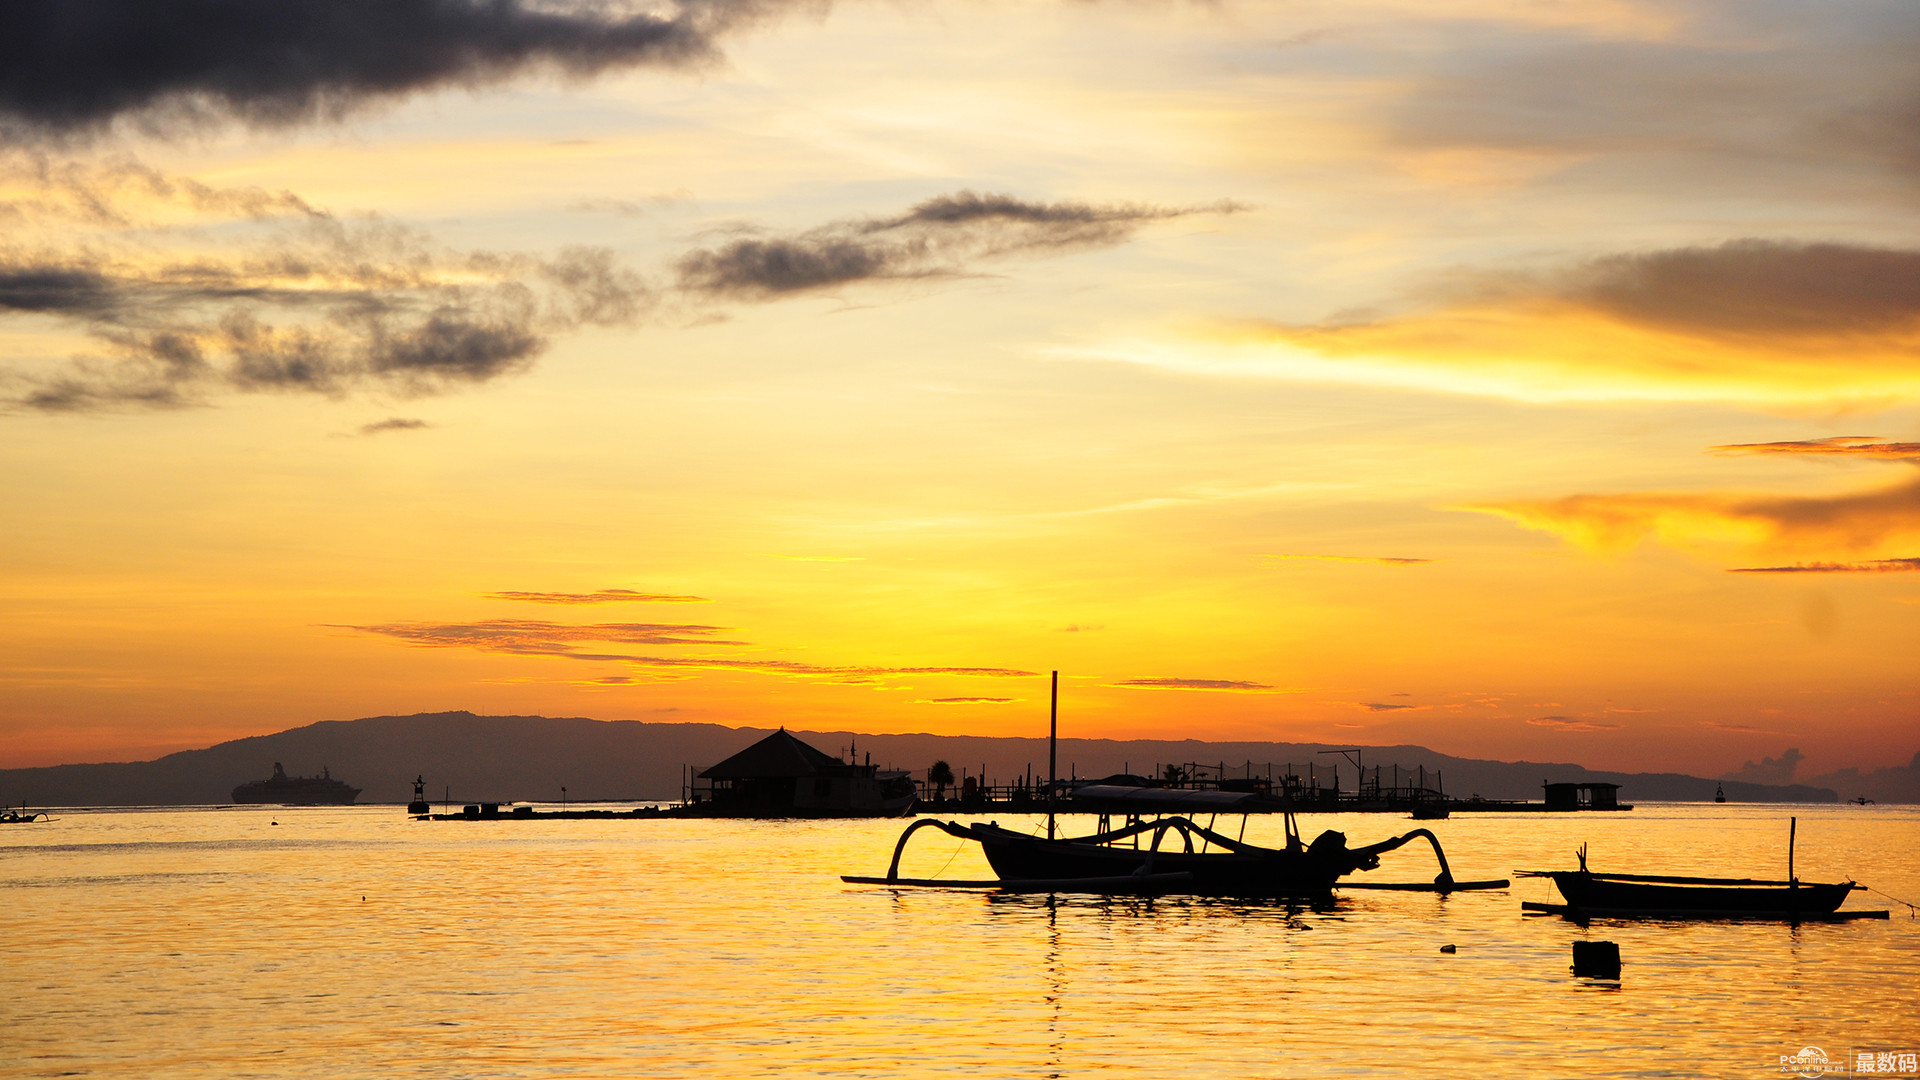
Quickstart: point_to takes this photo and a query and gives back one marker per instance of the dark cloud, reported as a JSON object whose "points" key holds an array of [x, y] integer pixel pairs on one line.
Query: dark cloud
{"points": [[1376, 706], [602, 596], [1727, 99], [1195, 684], [1870, 446], [1769, 770], [70, 66], [937, 238], [394, 423], [1757, 287], [57, 290], [1873, 566], [761, 268], [1750, 291]]}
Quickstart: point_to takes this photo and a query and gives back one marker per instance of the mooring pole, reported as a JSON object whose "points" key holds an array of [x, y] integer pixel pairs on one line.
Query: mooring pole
{"points": [[1793, 824], [1053, 751]]}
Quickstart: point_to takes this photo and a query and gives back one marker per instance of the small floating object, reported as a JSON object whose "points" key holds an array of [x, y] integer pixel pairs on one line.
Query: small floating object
{"points": [[1596, 959], [1449, 949]]}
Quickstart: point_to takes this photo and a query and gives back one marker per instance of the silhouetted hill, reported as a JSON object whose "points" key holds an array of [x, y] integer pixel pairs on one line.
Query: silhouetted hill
{"points": [[1895, 784], [510, 758]]}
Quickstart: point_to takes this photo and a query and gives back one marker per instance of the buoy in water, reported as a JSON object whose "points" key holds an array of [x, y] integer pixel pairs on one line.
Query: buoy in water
{"points": [[1596, 959]]}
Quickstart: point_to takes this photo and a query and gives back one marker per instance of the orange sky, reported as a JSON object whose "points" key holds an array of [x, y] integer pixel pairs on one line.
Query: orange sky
{"points": [[1518, 381]]}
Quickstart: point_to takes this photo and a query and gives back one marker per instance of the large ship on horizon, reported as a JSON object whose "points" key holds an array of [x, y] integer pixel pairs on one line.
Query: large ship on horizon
{"points": [[322, 790]]}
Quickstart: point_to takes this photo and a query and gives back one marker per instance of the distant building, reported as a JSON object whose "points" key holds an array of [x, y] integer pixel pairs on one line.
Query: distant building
{"points": [[780, 776], [1584, 797]]}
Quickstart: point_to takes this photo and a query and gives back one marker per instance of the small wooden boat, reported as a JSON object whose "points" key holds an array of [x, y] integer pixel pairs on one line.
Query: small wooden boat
{"points": [[1699, 897], [1667, 896]]}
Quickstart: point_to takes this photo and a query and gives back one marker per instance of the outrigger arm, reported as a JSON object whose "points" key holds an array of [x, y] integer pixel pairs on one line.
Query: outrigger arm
{"points": [[949, 827], [1366, 858]]}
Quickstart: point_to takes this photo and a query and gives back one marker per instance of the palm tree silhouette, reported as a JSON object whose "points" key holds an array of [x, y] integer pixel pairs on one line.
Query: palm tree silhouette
{"points": [[940, 775]]}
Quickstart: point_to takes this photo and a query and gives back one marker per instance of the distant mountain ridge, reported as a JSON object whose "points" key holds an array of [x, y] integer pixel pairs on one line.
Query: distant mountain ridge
{"points": [[471, 758]]}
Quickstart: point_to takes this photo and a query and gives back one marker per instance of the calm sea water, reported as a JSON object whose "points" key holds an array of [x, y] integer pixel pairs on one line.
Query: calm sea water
{"points": [[354, 942]]}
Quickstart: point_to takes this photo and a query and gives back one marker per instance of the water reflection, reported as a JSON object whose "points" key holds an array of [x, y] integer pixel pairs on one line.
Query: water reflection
{"points": [[722, 949]]}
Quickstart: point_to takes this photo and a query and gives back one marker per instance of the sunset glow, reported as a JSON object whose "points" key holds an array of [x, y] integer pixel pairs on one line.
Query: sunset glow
{"points": [[1378, 373]]}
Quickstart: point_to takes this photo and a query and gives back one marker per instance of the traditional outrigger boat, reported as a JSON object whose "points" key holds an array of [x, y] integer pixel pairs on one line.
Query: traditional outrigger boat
{"points": [[1116, 860], [1659, 896]]}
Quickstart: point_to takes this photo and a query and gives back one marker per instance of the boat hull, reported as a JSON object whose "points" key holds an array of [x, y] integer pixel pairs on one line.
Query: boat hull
{"points": [[1598, 893], [1298, 874]]}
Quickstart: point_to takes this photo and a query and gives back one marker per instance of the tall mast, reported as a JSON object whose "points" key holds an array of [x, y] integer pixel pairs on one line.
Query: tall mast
{"points": [[1053, 747]]}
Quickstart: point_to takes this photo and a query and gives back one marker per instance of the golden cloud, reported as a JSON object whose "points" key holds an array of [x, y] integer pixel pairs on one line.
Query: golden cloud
{"points": [[1853, 522], [1753, 321]]}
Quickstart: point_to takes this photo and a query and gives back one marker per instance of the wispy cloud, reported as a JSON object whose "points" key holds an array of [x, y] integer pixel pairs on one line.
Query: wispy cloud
{"points": [[262, 292], [394, 423], [1377, 706], [1849, 522], [1390, 560], [602, 596], [297, 301], [1869, 446], [940, 237], [1743, 729], [533, 636], [1873, 566], [1571, 723], [855, 673], [966, 701], [816, 558], [527, 637], [1235, 686]]}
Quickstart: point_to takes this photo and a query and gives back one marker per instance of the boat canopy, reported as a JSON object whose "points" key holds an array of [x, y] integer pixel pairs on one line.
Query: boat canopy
{"points": [[1127, 799]]}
